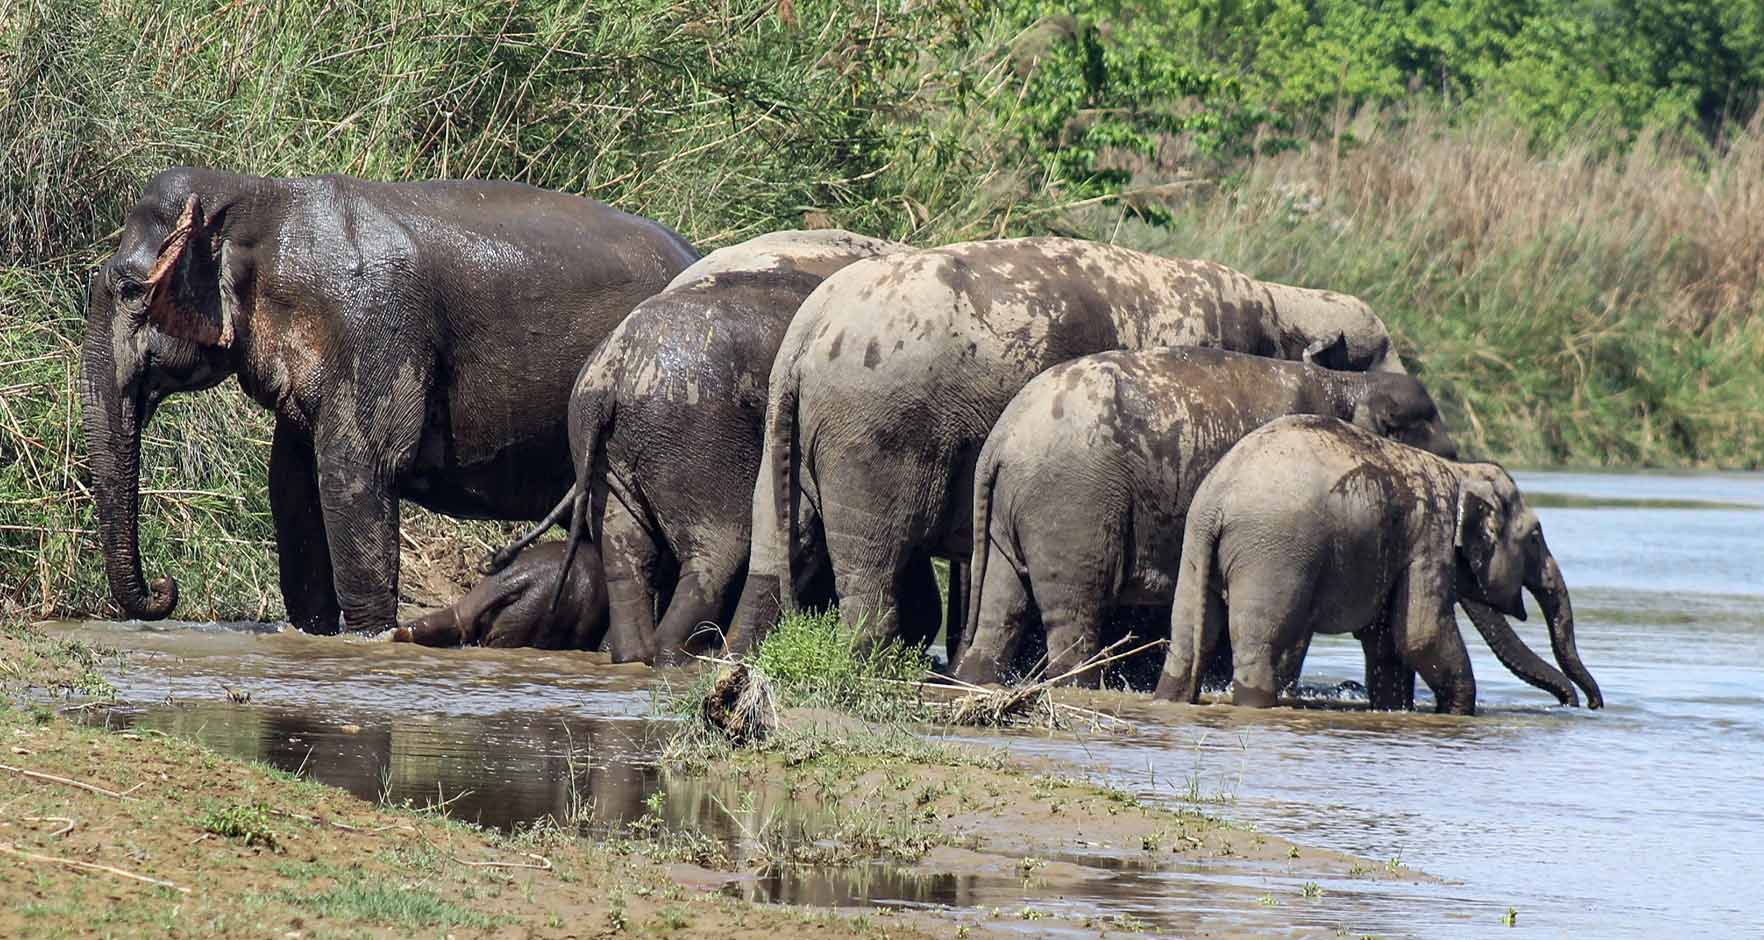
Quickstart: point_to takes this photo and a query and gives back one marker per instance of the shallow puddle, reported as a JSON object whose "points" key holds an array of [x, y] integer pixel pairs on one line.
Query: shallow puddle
{"points": [[1641, 820]]}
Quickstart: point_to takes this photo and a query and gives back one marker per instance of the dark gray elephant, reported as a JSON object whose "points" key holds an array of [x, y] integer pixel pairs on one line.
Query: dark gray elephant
{"points": [[519, 606], [1312, 525], [415, 340], [1083, 485], [894, 370], [665, 425]]}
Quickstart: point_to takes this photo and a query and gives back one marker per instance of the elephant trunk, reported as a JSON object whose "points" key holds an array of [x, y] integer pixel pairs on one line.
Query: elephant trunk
{"points": [[1552, 596], [1516, 656], [114, 418]]}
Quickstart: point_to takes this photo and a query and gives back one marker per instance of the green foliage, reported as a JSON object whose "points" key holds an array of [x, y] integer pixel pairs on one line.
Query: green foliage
{"points": [[815, 660], [247, 823]]}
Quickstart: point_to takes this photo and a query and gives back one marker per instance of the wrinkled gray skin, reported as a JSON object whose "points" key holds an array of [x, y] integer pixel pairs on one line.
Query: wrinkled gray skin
{"points": [[513, 607], [1085, 481], [415, 340], [894, 370], [1311, 525], [666, 418]]}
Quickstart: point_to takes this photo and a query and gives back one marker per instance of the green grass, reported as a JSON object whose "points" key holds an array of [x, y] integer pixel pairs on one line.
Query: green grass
{"points": [[374, 902], [249, 823], [813, 661]]}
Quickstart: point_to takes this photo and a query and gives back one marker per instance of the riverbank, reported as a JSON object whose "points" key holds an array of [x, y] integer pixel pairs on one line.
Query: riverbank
{"points": [[265, 852]]}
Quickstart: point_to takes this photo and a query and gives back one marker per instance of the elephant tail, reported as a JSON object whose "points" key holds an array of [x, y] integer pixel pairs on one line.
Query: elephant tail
{"points": [[591, 415], [985, 484], [1198, 608], [783, 438]]}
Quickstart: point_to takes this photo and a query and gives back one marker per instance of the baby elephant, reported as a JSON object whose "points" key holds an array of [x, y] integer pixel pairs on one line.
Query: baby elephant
{"points": [[1084, 483], [1311, 525], [513, 607]]}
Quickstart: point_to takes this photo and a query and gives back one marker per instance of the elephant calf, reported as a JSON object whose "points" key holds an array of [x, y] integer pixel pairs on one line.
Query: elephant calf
{"points": [[513, 607], [1311, 525], [1084, 483]]}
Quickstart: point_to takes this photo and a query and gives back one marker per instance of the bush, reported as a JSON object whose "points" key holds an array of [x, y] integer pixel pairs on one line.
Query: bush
{"points": [[812, 661]]}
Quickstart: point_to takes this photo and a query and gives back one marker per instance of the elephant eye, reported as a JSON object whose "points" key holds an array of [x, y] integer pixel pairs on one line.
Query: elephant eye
{"points": [[130, 290]]}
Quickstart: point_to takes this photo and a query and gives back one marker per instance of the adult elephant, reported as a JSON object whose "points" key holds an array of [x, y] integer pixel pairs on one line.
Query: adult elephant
{"points": [[413, 339], [665, 424], [1311, 525], [894, 370], [1083, 485]]}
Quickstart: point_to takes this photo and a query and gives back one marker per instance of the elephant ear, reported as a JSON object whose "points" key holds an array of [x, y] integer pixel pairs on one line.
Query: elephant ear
{"points": [[1479, 527], [183, 288], [1330, 353], [1378, 413]]}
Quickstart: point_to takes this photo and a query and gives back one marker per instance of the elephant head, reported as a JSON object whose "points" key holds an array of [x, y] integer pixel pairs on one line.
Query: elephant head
{"points": [[1501, 551], [161, 316], [1398, 407], [1336, 331]]}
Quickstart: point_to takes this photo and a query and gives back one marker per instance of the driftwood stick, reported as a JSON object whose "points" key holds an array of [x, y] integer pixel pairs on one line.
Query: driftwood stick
{"points": [[39, 775], [67, 824], [7, 848], [544, 863]]}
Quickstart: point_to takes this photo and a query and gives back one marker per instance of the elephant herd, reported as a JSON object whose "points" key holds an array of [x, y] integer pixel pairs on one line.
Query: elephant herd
{"points": [[807, 419]]}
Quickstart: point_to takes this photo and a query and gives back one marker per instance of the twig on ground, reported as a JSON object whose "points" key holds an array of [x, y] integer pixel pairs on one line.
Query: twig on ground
{"points": [[987, 707], [7, 848], [101, 791], [544, 863], [67, 824]]}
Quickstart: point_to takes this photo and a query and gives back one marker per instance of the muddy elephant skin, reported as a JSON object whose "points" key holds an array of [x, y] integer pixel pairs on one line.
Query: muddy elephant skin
{"points": [[1083, 485], [894, 370], [513, 607], [665, 426], [414, 340], [1311, 525]]}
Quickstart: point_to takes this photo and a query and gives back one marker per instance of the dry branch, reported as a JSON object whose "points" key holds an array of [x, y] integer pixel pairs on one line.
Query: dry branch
{"points": [[39, 775], [8, 848]]}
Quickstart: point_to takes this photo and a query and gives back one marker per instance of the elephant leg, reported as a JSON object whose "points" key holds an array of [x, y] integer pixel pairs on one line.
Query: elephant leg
{"points": [[1425, 636], [361, 529], [1269, 616], [1291, 662], [1004, 616], [870, 595], [1390, 683], [303, 557], [631, 560], [1074, 630], [696, 607]]}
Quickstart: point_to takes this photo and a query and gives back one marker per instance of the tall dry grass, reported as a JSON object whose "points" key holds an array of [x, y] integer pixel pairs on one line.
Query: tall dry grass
{"points": [[1568, 307]]}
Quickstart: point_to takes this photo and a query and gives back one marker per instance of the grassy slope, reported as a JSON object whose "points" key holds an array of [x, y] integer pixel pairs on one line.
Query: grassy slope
{"points": [[1569, 306]]}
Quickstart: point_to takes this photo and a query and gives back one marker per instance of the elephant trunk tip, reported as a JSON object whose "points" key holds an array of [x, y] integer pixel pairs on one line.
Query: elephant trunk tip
{"points": [[403, 635], [162, 601]]}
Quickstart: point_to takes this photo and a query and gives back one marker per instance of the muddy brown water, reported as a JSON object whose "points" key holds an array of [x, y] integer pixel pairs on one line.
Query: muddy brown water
{"points": [[1642, 820]]}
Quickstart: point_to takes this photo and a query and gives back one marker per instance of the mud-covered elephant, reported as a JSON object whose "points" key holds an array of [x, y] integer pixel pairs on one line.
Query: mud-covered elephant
{"points": [[1312, 525], [1083, 485], [894, 370], [665, 423], [415, 340], [519, 605]]}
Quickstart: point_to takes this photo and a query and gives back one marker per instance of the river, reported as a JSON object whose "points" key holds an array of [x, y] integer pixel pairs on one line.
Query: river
{"points": [[1639, 820]]}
